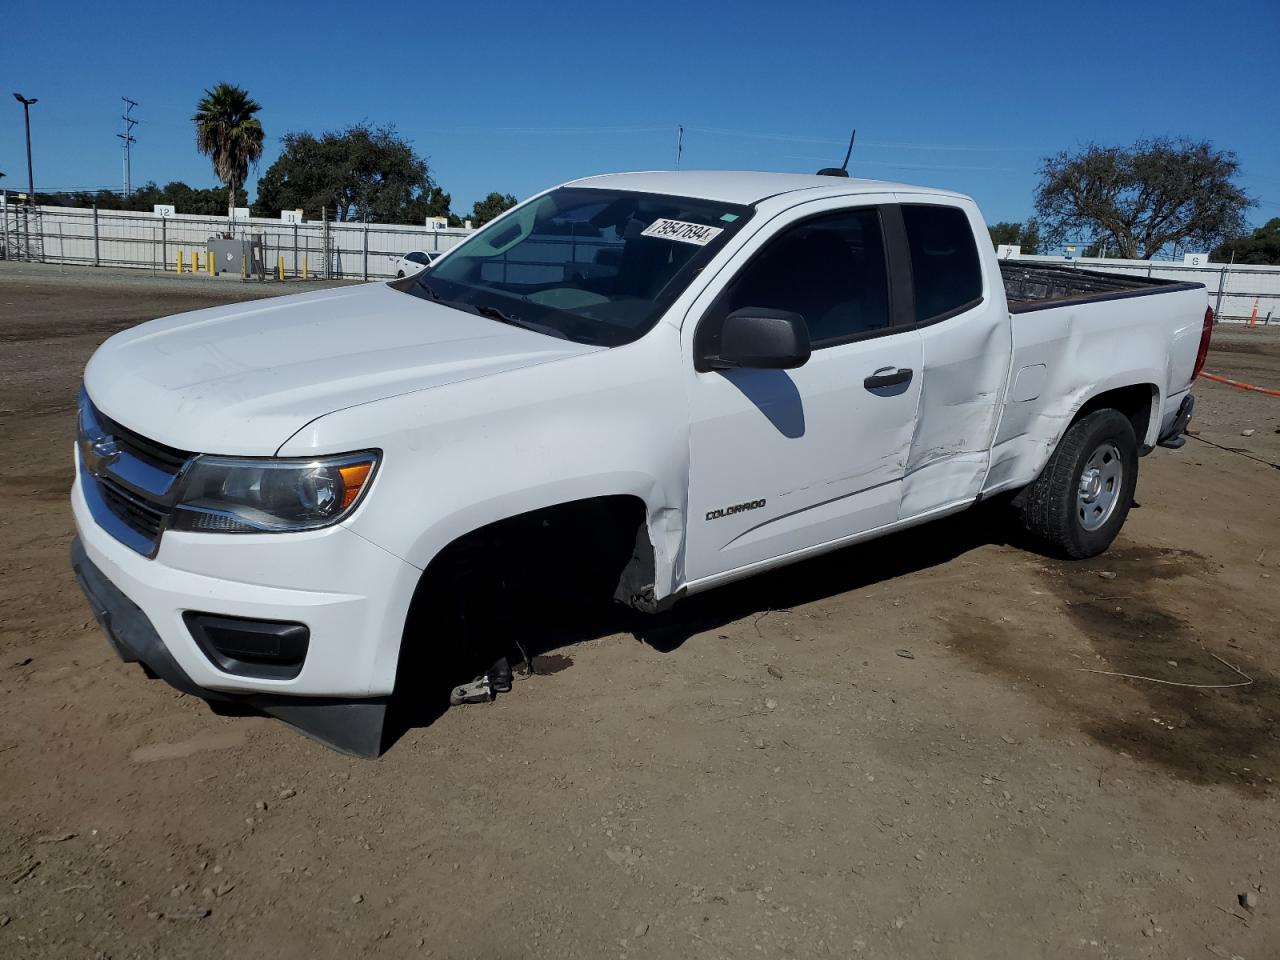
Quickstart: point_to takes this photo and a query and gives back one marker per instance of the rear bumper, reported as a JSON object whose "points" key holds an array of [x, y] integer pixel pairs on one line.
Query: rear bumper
{"points": [[1172, 434], [352, 726]]}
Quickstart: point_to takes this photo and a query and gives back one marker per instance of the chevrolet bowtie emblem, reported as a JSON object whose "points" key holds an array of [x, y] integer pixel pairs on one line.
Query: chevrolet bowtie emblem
{"points": [[101, 452]]}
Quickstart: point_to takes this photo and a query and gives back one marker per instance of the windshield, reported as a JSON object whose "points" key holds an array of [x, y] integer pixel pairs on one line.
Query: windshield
{"points": [[593, 266]]}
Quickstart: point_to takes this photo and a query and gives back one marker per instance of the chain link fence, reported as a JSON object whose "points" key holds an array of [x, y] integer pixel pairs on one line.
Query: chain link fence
{"points": [[112, 238]]}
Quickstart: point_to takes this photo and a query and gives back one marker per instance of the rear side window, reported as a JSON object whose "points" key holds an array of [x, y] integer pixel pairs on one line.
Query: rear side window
{"points": [[944, 261]]}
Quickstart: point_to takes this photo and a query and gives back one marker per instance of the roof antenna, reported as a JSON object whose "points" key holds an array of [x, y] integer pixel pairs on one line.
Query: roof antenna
{"points": [[843, 169]]}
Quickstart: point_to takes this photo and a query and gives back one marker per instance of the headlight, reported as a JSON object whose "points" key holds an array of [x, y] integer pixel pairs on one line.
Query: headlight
{"points": [[235, 495]]}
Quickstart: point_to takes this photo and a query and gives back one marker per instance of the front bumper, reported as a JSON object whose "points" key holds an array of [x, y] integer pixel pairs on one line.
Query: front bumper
{"points": [[352, 726], [352, 596]]}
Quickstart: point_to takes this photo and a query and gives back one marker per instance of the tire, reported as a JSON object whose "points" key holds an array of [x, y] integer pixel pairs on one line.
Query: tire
{"points": [[400, 275], [1078, 504]]}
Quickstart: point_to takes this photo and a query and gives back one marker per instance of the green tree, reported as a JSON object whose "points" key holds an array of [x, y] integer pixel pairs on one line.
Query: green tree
{"points": [[1026, 235], [82, 199], [1156, 194], [1260, 247], [433, 202], [494, 205], [207, 201], [229, 134], [360, 173]]}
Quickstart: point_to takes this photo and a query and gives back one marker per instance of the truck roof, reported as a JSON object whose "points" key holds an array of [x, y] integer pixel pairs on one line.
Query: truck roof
{"points": [[744, 186]]}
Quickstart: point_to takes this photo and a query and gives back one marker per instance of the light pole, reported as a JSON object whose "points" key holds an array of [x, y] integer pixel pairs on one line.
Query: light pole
{"points": [[31, 180], [26, 113]]}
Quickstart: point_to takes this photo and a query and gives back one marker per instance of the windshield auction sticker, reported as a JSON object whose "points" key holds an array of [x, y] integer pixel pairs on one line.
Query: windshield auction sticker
{"points": [[684, 232]]}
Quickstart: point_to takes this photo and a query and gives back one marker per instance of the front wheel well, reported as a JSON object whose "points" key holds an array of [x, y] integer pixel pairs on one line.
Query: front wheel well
{"points": [[581, 543], [554, 562]]}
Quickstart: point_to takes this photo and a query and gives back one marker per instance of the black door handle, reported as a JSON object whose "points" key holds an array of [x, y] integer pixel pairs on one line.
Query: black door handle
{"points": [[888, 377]]}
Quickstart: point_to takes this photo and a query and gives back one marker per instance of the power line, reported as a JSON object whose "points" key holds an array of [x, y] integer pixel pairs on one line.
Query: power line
{"points": [[889, 144], [908, 166]]}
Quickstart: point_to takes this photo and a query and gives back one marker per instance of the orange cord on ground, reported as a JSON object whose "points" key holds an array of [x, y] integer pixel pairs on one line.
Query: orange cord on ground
{"points": [[1238, 385]]}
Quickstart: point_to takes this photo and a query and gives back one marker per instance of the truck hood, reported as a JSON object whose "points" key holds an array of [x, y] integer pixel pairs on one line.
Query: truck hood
{"points": [[242, 379]]}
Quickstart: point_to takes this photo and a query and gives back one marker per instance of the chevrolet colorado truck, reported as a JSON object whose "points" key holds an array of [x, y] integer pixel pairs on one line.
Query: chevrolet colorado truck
{"points": [[648, 383]]}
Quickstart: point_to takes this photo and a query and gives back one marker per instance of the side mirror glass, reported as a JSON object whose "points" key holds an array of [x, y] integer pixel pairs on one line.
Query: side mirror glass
{"points": [[760, 338]]}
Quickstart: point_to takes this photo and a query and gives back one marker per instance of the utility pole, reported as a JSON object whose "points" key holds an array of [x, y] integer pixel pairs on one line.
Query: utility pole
{"points": [[129, 140]]}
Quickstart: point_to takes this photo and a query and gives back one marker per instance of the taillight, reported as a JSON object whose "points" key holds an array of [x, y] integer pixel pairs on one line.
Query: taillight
{"points": [[1205, 335]]}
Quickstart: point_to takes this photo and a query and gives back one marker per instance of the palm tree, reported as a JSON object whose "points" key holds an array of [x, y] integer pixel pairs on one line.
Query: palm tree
{"points": [[228, 133]]}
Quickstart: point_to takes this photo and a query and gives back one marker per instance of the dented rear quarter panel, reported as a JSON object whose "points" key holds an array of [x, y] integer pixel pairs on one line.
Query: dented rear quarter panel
{"points": [[1086, 349]]}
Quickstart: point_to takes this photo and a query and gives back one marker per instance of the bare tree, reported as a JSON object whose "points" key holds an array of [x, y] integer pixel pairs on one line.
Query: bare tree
{"points": [[1156, 194]]}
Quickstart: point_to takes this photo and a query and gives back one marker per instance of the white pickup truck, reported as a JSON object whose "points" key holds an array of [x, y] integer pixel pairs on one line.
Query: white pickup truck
{"points": [[648, 384]]}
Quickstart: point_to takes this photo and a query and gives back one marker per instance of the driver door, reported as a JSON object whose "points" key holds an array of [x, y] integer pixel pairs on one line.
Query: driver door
{"points": [[787, 461]]}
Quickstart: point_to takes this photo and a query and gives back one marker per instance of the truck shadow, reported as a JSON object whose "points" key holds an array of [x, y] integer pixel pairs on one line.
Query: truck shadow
{"points": [[841, 571], [539, 626], [774, 394]]}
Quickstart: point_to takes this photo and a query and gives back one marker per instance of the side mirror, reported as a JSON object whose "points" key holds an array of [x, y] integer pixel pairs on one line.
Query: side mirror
{"points": [[760, 338]]}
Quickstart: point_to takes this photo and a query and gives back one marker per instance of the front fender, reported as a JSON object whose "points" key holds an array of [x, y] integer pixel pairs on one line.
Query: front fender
{"points": [[459, 457], [665, 521]]}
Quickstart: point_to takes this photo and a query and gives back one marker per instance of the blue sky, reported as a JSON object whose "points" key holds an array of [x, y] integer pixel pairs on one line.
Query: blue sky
{"points": [[515, 97]]}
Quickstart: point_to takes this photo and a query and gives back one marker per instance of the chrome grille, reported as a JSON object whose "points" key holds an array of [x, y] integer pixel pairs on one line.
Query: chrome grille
{"points": [[148, 451], [142, 516], [129, 482]]}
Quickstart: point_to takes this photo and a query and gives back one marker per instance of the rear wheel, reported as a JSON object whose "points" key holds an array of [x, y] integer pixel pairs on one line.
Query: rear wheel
{"points": [[1079, 502]]}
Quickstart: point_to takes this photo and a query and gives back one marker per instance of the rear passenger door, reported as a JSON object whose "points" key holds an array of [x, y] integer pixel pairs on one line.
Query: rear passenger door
{"points": [[965, 349], [784, 461]]}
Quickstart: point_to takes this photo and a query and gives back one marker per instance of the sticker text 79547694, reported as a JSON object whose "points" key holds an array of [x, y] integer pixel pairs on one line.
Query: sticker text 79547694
{"points": [[697, 233]]}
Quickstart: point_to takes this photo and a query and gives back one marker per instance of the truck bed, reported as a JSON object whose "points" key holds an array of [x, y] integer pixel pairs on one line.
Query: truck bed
{"points": [[1039, 286]]}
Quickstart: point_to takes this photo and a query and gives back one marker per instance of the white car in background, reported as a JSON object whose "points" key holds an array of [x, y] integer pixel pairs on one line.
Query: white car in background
{"points": [[413, 262]]}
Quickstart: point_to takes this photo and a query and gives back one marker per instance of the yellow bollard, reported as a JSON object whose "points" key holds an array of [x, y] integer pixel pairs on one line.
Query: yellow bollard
{"points": [[280, 267], [208, 261], [244, 268], [305, 275], [195, 261], [179, 261]]}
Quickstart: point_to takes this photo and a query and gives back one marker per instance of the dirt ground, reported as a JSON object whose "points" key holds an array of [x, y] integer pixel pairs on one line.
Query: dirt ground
{"points": [[905, 749]]}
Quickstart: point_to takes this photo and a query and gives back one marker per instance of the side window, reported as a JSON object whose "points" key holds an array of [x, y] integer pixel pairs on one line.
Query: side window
{"points": [[830, 270], [944, 260], [416, 257]]}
